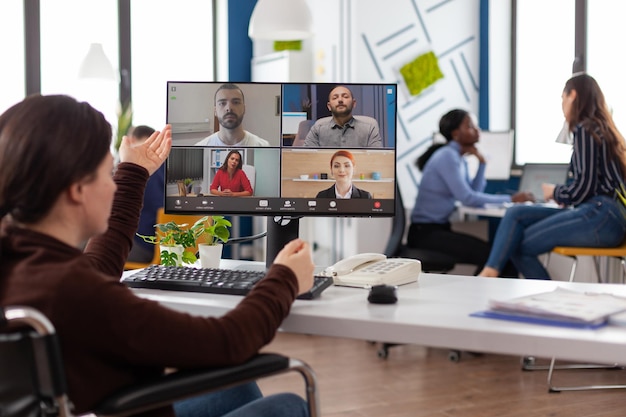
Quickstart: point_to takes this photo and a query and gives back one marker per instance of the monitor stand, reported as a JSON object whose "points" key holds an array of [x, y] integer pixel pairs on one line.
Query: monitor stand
{"points": [[280, 231]]}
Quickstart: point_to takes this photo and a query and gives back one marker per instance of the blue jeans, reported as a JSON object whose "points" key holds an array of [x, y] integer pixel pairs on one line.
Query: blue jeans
{"points": [[242, 401], [526, 232]]}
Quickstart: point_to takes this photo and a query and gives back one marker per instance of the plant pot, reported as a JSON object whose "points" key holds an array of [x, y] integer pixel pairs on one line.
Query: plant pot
{"points": [[176, 249], [210, 255]]}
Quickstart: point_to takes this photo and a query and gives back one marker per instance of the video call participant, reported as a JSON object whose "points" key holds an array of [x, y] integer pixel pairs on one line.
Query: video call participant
{"points": [[342, 129], [230, 179], [445, 181], [152, 201], [230, 108], [342, 166], [50, 205]]}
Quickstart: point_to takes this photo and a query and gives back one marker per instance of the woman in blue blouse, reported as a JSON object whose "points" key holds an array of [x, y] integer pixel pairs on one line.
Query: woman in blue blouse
{"points": [[592, 217], [446, 181]]}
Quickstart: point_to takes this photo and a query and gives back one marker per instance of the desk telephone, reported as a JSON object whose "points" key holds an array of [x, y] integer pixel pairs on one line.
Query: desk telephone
{"points": [[368, 269]]}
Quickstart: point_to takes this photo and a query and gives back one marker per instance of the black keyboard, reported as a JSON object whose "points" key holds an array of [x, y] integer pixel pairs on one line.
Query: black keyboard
{"points": [[210, 280]]}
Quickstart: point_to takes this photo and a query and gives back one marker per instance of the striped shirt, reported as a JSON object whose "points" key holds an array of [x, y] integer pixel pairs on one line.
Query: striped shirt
{"points": [[594, 171]]}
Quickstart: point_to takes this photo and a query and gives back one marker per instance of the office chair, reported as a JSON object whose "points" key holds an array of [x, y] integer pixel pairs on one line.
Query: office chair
{"points": [[432, 261], [32, 378], [573, 252], [250, 172], [162, 218], [303, 130]]}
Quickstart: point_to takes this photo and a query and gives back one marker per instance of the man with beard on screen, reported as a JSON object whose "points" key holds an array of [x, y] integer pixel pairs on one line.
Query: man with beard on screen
{"points": [[230, 108], [342, 129]]}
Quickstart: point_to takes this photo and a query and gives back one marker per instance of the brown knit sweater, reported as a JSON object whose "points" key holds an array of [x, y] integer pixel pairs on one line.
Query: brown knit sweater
{"points": [[111, 338]]}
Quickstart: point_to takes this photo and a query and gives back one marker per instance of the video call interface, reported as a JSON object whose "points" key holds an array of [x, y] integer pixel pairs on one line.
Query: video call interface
{"points": [[291, 156]]}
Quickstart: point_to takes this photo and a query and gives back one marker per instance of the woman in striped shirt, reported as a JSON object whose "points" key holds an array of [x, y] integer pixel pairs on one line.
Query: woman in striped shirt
{"points": [[590, 214]]}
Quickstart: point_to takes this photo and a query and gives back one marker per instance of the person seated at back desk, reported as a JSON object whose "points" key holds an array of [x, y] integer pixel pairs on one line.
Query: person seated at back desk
{"points": [[342, 129], [152, 201], [445, 181]]}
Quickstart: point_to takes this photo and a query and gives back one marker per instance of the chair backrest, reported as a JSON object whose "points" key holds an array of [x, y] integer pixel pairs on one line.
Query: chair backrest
{"points": [[432, 261], [397, 228], [32, 378], [303, 130], [250, 172]]}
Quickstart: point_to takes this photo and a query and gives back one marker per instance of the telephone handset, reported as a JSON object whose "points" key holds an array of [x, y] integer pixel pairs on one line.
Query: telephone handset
{"points": [[368, 269]]}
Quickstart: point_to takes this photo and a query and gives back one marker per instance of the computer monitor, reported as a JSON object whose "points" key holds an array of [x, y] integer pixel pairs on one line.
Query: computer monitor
{"points": [[288, 176]]}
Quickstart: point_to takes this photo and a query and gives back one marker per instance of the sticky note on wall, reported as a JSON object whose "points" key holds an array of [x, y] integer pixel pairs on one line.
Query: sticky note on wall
{"points": [[421, 73], [287, 46]]}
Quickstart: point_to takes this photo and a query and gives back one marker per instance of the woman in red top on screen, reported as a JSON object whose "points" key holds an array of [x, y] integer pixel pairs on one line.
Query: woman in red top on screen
{"points": [[230, 180]]}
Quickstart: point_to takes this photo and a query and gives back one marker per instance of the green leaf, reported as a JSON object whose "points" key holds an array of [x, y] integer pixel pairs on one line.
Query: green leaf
{"points": [[169, 258], [189, 257]]}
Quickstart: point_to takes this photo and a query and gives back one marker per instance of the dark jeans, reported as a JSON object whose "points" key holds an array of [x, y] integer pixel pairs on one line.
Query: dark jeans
{"points": [[464, 248], [242, 401], [526, 232]]}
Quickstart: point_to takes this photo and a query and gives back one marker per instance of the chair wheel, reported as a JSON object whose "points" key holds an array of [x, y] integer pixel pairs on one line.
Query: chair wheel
{"points": [[383, 353], [528, 362], [454, 355]]}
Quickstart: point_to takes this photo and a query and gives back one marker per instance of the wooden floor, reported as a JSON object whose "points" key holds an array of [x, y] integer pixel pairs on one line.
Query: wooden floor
{"points": [[418, 381]]}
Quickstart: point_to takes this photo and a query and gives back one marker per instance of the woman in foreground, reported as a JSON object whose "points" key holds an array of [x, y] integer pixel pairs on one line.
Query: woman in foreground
{"points": [[58, 191]]}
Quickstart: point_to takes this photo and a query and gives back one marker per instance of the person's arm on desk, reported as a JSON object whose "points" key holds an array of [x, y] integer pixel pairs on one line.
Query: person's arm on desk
{"points": [[518, 197]]}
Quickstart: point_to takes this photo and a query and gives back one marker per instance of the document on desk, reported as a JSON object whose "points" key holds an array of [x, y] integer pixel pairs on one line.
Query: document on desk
{"points": [[560, 307]]}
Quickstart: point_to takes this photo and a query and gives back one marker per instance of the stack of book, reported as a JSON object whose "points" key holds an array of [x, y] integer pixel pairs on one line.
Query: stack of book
{"points": [[560, 307]]}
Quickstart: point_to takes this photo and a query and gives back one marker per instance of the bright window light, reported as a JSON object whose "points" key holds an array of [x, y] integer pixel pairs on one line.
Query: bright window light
{"points": [[545, 53], [12, 53], [605, 62], [171, 41]]}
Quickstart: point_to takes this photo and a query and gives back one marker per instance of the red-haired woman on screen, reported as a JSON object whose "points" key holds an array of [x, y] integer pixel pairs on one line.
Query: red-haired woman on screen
{"points": [[342, 166]]}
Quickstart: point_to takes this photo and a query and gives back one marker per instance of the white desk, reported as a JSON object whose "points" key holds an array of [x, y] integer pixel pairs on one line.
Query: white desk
{"points": [[494, 210], [490, 211], [433, 312]]}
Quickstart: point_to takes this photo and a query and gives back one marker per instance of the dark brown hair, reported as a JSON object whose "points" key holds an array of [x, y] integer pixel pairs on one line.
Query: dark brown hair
{"points": [[228, 86], [589, 109], [225, 166], [46, 144]]}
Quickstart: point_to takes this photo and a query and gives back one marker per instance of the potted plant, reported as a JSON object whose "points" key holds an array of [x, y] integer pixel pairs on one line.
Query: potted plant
{"points": [[188, 182], [215, 231], [173, 240]]}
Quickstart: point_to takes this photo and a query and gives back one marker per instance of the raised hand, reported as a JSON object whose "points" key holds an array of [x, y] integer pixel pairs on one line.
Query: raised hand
{"points": [[151, 153]]}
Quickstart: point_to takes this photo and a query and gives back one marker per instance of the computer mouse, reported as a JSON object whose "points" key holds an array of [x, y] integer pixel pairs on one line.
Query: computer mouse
{"points": [[383, 294]]}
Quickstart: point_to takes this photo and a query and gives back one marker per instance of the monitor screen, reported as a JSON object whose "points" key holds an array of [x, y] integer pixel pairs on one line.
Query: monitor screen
{"points": [[281, 149]]}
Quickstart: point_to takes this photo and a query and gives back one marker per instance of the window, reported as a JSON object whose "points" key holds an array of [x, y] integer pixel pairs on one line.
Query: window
{"points": [[12, 53], [171, 41], [544, 57], [65, 40], [605, 59]]}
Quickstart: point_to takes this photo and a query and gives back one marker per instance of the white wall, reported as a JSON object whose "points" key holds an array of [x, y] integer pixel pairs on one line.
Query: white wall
{"points": [[367, 41]]}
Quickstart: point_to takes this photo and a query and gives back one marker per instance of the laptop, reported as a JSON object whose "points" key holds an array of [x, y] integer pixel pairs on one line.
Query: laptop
{"points": [[533, 175]]}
